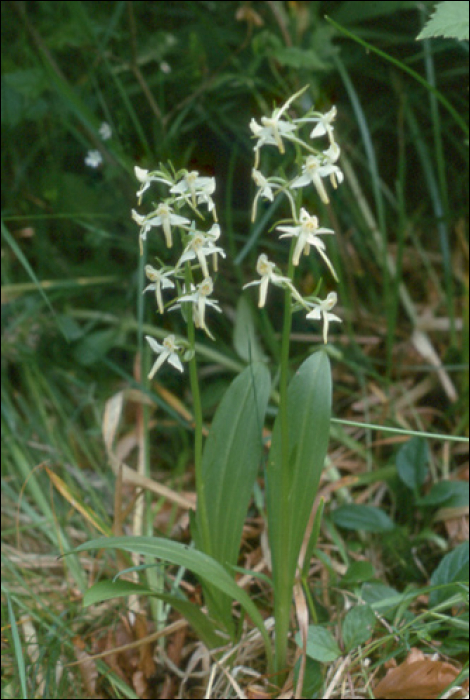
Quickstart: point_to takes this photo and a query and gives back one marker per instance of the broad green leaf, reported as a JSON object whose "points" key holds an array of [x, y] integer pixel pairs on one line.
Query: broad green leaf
{"points": [[358, 572], [451, 494], [359, 517], [107, 590], [230, 463], [321, 644], [450, 20], [291, 488], [205, 567], [452, 569], [358, 626], [313, 678], [245, 340], [412, 463]]}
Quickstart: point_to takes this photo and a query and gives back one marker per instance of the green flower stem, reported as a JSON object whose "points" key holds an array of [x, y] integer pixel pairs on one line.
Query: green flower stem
{"points": [[197, 409], [283, 587]]}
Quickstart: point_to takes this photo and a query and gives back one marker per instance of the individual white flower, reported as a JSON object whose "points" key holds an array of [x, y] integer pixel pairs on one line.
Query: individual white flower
{"points": [[165, 217], [265, 269], [200, 300], [167, 351], [105, 131], [321, 310], [93, 159], [323, 124], [159, 280], [307, 232], [273, 129], [198, 188], [314, 169], [145, 177], [200, 245]]}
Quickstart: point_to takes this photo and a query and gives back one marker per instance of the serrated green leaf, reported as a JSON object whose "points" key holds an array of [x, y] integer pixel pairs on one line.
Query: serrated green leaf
{"points": [[205, 567], [450, 20], [359, 517], [358, 626], [290, 492], [230, 463], [107, 590], [412, 463], [321, 645]]}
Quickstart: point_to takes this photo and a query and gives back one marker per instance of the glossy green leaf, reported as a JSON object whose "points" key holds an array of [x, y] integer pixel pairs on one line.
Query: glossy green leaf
{"points": [[358, 517], [205, 567], [230, 463], [291, 488], [107, 590], [245, 339]]}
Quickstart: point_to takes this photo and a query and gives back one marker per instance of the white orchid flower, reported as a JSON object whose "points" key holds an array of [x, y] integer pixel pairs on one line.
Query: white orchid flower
{"points": [[273, 129], [265, 269], [165, 217], [199, 189], [307, 232], [159, 280], [200, 246], [145, 177], [322, 310], [314, 169], [323, 124], [166, 352], [200, 300]]}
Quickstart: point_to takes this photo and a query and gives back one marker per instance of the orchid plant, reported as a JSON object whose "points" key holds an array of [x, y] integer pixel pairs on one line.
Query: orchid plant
{"points": [[226, 466]]}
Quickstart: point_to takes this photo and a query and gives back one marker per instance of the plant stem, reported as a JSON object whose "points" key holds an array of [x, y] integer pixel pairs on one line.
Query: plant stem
{"points": [[197, 409], [283, 588]]}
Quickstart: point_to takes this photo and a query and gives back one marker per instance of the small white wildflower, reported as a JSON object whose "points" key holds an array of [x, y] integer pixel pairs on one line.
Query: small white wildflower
{"points": [[105, 131], [265, 269], [200, 245], [322, 309], [307, 232], [159, 280], [200, 300], [323, 124], [198, 188], [274, 129], [93, 159], [167, 351], [314, 169], [145, 177], [165, 217], [165, 67]]}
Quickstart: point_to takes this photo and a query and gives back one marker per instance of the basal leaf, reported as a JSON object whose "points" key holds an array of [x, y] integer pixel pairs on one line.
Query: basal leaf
{"points": [[107, 590], [291, 488], [230, 463], [205, 567]]}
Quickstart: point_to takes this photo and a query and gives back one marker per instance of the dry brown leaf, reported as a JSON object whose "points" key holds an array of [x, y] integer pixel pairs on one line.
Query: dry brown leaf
{"points": [[419, 676]]}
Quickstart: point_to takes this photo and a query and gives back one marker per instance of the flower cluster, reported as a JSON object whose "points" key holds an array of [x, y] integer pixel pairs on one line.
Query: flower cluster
{"points": [[199, 252], [316, 166]]}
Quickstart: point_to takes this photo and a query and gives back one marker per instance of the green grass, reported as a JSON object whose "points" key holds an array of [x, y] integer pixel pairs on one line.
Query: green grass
{"points": [[180, 81]]}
